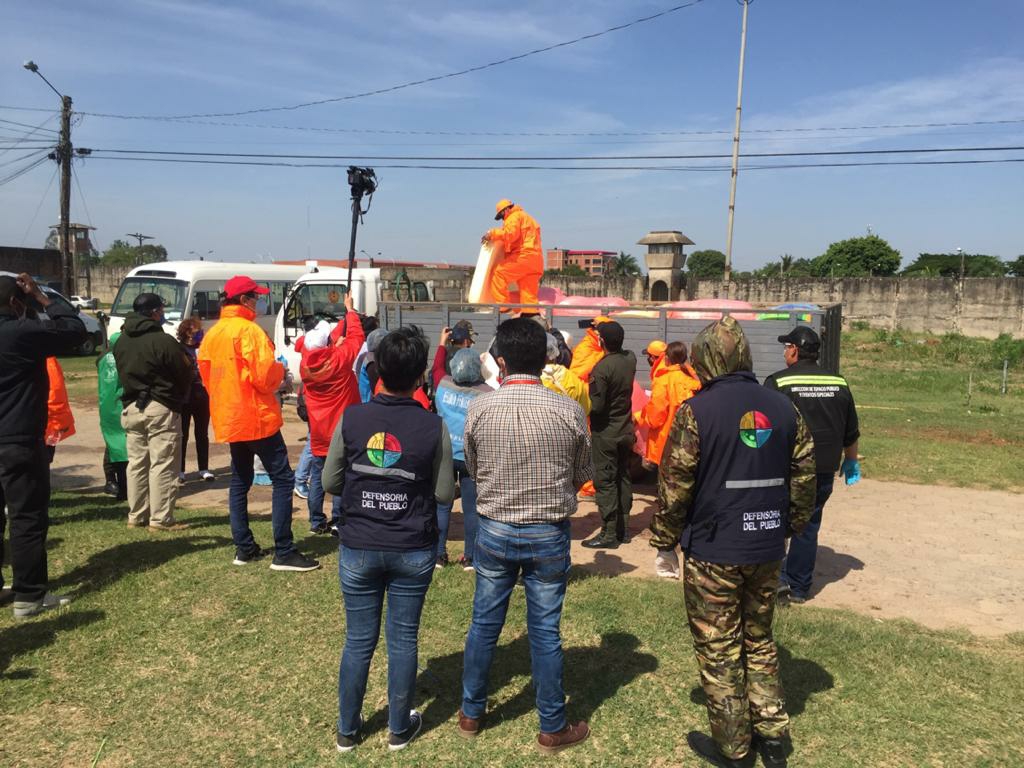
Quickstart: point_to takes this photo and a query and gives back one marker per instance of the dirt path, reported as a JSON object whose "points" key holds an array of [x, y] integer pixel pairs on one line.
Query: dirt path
{"points": [[944, 557]]}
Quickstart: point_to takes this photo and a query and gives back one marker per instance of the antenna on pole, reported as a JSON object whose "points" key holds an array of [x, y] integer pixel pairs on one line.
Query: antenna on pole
{"points": [[139, 236], [736, 146]]}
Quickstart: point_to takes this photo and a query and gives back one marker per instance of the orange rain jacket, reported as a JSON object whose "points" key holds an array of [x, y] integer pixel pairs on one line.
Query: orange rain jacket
{"points": [[60, 422], [238, 369], [588, 352], [671, 385], [524, 257]]}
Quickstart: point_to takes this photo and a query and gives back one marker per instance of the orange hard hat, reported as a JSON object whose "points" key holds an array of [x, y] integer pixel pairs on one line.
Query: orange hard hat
{"points": [[501, 206], [656, 348]]}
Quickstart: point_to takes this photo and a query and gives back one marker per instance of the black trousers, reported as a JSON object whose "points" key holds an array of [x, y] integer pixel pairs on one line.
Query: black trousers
{"points": [[25, 490], [116, 472], [197, 411], [612, 484]]}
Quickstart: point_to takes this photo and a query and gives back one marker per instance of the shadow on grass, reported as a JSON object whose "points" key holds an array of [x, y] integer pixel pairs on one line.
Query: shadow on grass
{"points": [[832, 566], [108, 566], [592, 675], [801, 679], [33, 634], [87, 508]]}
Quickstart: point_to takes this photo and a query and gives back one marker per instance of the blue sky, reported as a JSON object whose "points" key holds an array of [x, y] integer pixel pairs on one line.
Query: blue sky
{"points": [[809, 65]]}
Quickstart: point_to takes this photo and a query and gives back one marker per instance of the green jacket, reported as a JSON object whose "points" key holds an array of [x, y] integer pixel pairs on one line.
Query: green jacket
{"points": [[110, 391], [149, 360]]}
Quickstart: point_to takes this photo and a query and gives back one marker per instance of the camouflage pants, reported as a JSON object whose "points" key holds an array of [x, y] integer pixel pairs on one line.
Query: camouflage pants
{"points": [[730, 611]]}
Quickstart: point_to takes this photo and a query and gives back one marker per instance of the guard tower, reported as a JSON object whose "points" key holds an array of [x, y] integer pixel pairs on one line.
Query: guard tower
{"points": [[665, 261]]}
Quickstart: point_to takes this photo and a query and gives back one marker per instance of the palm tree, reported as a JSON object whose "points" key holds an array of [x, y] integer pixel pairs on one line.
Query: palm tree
{"points": [[623, 265]]}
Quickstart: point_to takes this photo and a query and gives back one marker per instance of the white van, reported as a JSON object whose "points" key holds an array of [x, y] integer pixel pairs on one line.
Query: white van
{"points": [[192, 289], [319, 295]]}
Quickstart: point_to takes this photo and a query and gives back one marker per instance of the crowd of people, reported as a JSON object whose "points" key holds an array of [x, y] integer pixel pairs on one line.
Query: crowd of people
{"points": [[520, 429]]}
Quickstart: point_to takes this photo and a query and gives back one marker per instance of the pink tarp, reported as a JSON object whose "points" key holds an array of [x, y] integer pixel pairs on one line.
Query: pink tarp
{"points": [[594, 302], [692, 309]]}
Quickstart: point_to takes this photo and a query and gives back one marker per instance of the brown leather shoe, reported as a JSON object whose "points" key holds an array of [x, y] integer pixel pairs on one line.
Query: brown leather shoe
{"points": [[570, 736], [469, 727], [169, 527]]}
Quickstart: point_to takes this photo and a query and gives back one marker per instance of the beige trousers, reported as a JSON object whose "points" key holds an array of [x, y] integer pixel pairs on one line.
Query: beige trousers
{"points": [[154, 451]]}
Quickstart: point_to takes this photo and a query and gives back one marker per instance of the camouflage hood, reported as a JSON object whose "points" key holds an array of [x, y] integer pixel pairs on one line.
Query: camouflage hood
{"points": [[719, 349]]}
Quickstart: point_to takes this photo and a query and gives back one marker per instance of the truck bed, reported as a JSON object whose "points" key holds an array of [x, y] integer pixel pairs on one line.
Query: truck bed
{"points": [[762, 326]]}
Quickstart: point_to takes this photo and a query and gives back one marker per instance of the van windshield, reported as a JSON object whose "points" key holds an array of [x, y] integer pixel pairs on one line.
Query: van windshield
{"points": [[173, 292], [317, 301]]}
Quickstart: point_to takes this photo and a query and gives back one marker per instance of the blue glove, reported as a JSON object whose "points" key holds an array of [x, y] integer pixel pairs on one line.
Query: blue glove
{"points": [[282, 360], [851, 471]]}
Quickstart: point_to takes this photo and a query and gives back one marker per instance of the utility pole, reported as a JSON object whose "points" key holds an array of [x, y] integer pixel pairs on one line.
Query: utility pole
{"points": [[140, 237], [70, 281], [69, 272], [736, 148]]}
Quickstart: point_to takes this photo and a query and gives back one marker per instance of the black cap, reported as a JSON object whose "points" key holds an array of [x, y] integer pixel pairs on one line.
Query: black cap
{"points": [[803, 338], [461, 334], [147, 302], [612, 334]]}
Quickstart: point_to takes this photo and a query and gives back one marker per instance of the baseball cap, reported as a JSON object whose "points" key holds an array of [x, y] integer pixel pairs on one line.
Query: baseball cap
{"points": [[803, 338], [656, 348], [240, 284], [147, 302], [461, 334], [612, 334]]}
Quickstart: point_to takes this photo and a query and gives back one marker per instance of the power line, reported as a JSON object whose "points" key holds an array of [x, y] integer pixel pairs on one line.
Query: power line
{"points": [[28, 135], [553, 158], [413, 83], [38, 207], [26, 125], [32, 154], [723, 168], [22, 171]]}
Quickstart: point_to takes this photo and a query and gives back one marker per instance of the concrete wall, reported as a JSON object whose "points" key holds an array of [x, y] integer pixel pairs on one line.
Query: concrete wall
{"points": [[631, 288], [105, 282], [979, 306]]}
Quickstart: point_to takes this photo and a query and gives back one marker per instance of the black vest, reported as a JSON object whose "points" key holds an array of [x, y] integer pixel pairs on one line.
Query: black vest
{"points": [[740, 508], [388, 501]]}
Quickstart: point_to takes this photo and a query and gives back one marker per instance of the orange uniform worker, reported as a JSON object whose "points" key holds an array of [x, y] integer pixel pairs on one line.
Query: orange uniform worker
{"points": [[589, 351], [60, 422], [655, 353], [524, 259], [673, 381]]}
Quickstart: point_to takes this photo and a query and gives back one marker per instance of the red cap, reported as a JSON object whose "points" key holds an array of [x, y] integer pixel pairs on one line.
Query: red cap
{"points": [[240, 284]]}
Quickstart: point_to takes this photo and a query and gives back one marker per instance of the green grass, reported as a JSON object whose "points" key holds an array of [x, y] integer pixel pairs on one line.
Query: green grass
{"points": [[170, 656], [917, 423], [80, 377]]}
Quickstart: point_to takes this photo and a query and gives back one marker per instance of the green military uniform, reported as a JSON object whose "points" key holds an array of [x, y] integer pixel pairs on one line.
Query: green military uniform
{"points": [[612, 438], [730, 599]]}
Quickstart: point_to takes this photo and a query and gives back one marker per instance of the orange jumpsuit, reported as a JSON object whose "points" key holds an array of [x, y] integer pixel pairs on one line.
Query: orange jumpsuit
{"points": [[524, 259], [671, 385], [60, 422], [588, 352]]}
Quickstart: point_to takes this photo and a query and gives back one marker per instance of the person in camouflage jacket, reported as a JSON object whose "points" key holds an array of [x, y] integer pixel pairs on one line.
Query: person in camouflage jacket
{"points": [[730, 497]]}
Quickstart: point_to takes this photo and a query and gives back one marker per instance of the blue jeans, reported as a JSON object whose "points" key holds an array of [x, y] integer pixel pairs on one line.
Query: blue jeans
{"points": [[798, 567], [541, 553], [305, 459], [467, 486], [274, 455], [366, 574], [316, 495]]}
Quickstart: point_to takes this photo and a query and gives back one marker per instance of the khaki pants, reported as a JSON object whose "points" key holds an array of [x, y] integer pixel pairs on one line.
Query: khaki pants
{"points": [[154, 450]]}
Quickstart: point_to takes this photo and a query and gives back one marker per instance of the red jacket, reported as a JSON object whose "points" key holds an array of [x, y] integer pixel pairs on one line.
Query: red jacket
{"points": [[329, 381], [418, 395]]}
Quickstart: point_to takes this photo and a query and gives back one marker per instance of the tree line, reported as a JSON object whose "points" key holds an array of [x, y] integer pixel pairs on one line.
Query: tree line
{"points": [[868, 256]]}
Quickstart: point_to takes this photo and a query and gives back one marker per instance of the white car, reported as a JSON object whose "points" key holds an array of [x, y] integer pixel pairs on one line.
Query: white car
{"points": [[84, 302]]}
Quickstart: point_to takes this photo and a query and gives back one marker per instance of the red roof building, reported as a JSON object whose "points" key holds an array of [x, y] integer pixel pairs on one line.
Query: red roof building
{"points": [[591, 262]]}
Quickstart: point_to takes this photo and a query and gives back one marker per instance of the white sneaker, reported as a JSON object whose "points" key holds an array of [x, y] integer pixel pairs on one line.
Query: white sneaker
{"points": [[181, 477], [25, 609], [206, 475], [666, 565]]}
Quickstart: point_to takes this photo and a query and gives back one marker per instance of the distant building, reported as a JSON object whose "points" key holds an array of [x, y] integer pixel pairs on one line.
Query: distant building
{"points": [[665, 261], [591, 262]]}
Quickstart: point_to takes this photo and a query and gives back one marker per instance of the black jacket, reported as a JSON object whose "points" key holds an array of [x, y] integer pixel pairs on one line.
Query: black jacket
{"points": [[611, 394], [149, 360], [24, 384], [825, 402]]}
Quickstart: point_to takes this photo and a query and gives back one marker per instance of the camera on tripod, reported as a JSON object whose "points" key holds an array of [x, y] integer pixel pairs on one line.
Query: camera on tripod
{"points": [[363, 181]]}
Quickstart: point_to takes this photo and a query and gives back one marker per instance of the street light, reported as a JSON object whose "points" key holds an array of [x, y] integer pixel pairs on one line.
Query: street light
{"points": [[63, 156], [199, 255]]}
